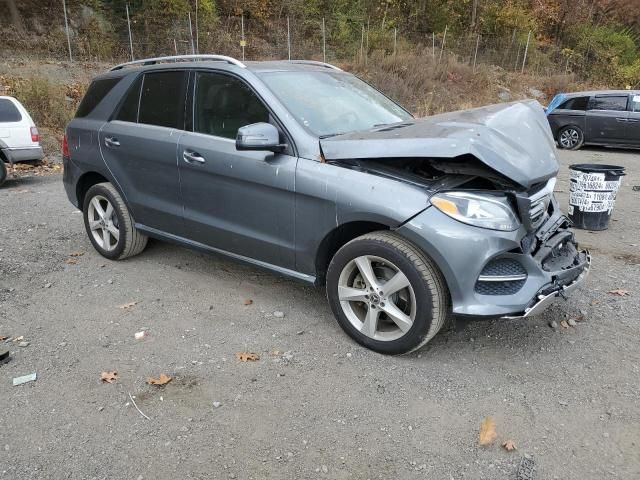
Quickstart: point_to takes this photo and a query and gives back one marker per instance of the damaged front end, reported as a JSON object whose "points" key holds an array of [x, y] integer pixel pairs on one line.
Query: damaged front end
{"points": [[494, 226]]}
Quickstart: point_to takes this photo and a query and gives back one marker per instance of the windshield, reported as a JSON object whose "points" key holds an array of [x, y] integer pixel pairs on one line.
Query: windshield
{"points": [[332, 102]]}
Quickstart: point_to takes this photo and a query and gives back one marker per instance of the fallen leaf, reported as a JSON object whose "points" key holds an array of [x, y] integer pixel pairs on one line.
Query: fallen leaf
{"points": [[509, 445], [247, 356], [70, 261], [76, 254], [128, 305], [3, 338], [579, 318], [108, 377], [248, 301], [564, 324], [620, 292], [487, 431], [163, 379]]}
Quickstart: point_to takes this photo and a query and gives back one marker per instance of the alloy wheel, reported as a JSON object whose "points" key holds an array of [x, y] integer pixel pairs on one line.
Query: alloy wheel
{"points": [[569, 138], [377, 298], [103, 223]]}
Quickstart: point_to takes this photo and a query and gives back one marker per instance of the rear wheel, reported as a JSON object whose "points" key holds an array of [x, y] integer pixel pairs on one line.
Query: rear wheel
{"points": [[109, 224], [570, 138], [3, 171], [386, 294]]}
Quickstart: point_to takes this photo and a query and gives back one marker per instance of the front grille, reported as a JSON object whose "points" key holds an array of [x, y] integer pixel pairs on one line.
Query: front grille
{"points": [[533, 205], [503, 276], [538, 209]]}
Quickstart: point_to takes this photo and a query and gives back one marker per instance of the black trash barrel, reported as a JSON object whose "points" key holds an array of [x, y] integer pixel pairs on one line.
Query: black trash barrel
{"points": [[593, 190]]}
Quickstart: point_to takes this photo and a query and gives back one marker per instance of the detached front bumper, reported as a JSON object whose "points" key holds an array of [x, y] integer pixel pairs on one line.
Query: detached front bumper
{"points": [[542, 301], [493, 274]]}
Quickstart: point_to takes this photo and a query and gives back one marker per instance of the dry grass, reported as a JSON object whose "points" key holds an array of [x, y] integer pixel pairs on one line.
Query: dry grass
{"points": [[428, 85]]}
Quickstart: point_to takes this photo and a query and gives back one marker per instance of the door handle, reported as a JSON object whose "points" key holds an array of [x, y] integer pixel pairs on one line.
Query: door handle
{"points": [[622, 119], [111, 142], [192, 157]]}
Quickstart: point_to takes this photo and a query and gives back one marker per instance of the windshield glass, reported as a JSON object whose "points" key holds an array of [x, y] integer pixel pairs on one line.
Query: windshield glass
{"points": [[332, 102]]}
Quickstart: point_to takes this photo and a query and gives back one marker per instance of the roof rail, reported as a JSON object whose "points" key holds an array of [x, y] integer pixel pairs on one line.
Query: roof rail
{"points": [[313, 62], [180, 58]]}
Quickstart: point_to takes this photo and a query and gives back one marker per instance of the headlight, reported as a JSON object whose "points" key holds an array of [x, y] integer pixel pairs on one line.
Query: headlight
{"points": [[485, 211]]}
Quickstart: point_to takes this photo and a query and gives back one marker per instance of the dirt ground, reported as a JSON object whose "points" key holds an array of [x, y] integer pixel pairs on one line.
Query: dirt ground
{"points": [[315, 405]]}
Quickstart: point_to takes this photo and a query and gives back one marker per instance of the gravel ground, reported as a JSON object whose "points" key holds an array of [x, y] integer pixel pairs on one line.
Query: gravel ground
{"points": [[315, 405]]}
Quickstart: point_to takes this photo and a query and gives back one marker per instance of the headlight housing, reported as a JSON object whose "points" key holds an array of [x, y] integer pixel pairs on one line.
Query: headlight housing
{"points": [[492, 211]]}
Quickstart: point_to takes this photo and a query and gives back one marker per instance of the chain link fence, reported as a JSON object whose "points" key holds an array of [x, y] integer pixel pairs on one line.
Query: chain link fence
{"points": [[90, 38]]}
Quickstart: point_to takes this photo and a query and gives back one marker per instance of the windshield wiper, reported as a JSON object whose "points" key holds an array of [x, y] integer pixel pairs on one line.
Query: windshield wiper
{"points": [[331, 135]]}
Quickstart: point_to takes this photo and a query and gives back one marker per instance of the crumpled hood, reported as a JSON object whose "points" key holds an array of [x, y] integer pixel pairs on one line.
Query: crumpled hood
{"points": [[514, 139]]}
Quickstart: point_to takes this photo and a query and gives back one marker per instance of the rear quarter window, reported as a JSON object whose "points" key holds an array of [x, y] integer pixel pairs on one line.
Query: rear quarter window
{"points": [[8, 111], [95, 93]]}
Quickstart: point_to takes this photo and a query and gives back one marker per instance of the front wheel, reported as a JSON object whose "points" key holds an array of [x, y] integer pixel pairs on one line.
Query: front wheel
{"points": [[570, 138], [386, 293], [109, 224]]}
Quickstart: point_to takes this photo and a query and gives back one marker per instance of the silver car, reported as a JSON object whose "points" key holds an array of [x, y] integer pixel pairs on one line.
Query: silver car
{"points": [[307, 171]]}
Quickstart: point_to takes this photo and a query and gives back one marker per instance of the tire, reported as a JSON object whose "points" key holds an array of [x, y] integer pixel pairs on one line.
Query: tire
{"points": [[128, 241], [424, 299], [3, 171], [570, 137]]}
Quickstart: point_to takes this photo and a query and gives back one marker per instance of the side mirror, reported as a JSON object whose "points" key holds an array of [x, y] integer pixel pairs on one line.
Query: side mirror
{"points": [[259, 136]]}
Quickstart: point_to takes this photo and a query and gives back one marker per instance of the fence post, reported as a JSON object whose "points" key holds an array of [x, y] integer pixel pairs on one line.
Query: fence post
{"points": [[242, 42], [366, 45], [198, 43], [475, 54], [444, 38], [129, 27], [288, 38], [175, 46], [433, 45], [193, 48], [395, 41], [526, 50], [362, 45], [324, 43], [66, 27]]}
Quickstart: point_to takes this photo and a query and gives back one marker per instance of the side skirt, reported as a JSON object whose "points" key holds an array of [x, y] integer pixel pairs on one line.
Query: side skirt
{"points": [[185, 242]]}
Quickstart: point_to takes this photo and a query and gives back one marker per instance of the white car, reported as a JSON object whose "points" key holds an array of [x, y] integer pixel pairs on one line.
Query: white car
{"points": [[19, 140]]}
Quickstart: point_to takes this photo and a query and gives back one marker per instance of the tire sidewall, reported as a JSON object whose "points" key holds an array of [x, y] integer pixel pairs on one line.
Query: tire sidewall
{"points": [[122, 240], [422, 291], [3, 171], [580, 133]]}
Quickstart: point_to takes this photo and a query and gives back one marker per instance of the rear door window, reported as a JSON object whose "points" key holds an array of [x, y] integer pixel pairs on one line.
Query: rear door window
{"points": [[8, 111], [95, 93], [609, 102], [635, 103], [129, 108], [163, 99], [577, 103]]}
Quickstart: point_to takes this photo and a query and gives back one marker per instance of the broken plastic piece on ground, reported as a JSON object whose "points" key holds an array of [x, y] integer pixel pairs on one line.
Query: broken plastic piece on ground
{"points": [[140, 335], [24, 379], [526, 469], [4, 357]]}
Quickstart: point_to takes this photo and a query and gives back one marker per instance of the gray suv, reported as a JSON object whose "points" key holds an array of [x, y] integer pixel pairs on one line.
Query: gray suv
{"points": [[305, 170]]}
